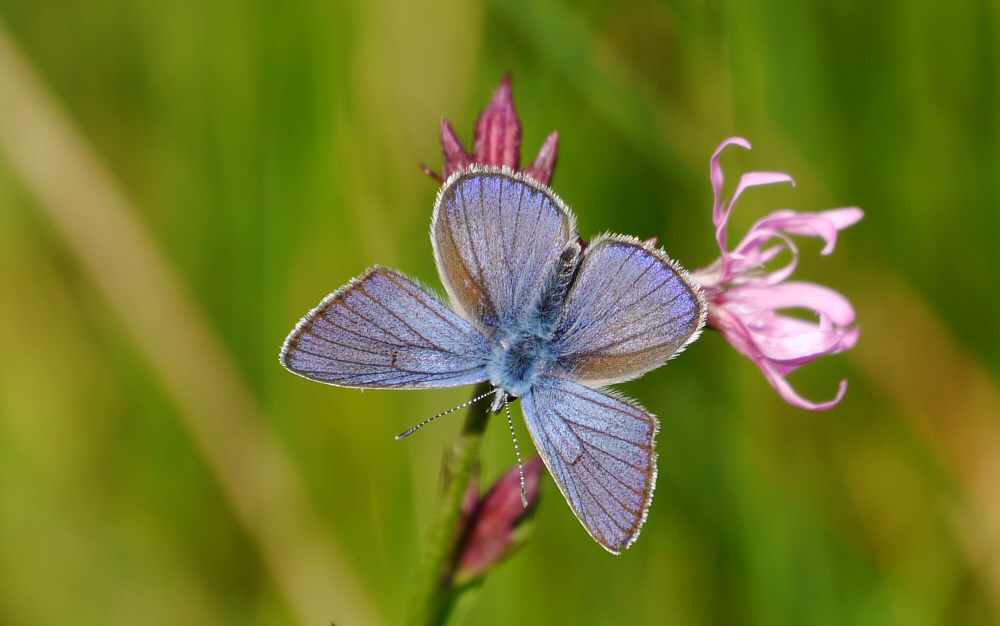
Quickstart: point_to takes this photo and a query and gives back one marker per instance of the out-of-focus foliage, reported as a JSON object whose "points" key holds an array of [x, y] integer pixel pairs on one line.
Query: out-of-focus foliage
{"points": [[272, 149]]}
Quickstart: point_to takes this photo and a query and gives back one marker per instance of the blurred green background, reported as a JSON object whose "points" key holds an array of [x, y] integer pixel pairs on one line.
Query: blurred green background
{"points": [[157, 465]]}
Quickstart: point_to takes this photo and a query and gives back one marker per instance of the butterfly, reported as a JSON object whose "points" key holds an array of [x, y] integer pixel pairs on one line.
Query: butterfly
{"points": [[541, 317]]}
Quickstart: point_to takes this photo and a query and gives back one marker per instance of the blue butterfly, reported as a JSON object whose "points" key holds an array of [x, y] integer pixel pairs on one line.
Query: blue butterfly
{"points": [[537, 315]]}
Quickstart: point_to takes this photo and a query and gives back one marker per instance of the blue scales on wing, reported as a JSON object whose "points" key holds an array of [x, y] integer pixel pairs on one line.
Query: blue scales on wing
{"points": [[384, 331]]}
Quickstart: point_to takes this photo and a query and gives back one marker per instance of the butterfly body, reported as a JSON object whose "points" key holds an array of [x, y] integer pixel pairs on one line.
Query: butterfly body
{"points": [[518, 362], [540, 318]]}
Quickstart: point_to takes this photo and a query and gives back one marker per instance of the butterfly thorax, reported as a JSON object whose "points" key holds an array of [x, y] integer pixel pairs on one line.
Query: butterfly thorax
{"points": [[518, 360]]}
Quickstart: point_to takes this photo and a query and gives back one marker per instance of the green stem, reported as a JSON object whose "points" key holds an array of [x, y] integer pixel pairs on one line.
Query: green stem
{"points": [[433, 595]]}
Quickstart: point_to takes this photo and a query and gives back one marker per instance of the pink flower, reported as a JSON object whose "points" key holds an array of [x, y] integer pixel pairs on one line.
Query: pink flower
{"points": [[743, 298], [497, 142]]}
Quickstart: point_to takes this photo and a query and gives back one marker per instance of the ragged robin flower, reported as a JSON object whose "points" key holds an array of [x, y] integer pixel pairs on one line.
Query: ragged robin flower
{"points": [[744, 298]]}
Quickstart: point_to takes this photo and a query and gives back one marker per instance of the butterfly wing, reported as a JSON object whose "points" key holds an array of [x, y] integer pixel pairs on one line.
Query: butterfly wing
{"points": [[497, 236], [629, 309], [599, 450], [382, 331]]}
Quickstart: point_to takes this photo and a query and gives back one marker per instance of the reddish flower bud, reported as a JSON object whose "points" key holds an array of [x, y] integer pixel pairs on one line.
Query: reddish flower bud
{"points": [[497, 528], [496, 142], [498, 131]]}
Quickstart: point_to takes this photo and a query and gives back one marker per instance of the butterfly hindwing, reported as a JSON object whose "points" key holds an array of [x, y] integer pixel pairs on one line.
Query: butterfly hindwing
{"points": [[629, 310], [497, 237], [599, 450], [382, 330]]}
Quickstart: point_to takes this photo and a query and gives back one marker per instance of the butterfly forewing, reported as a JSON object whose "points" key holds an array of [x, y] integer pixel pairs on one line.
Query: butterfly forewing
{"points": [[384, 331], [628, 311], [599, 450], [497, 237]]}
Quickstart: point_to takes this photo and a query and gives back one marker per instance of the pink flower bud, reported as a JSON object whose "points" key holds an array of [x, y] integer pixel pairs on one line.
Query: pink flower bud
{"points": [[496, 142], [497, 527]]}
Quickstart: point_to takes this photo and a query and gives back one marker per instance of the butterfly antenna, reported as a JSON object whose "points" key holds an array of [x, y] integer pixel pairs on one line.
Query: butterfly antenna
{"points": [[524, 492], [429, 420]]}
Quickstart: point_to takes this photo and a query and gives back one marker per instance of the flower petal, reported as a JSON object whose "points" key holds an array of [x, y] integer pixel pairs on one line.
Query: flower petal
{"points": [[759, 179], [720, 216], [796, 349], [824, 224], [848, 338], [798, 294], [716, 170], [733, 331], [842, 218], [790, 396], [750, 255], [770, 324]]}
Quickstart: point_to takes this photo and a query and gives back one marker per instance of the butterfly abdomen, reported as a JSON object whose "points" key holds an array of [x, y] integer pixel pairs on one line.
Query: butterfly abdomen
{"points": [[549, 305]]}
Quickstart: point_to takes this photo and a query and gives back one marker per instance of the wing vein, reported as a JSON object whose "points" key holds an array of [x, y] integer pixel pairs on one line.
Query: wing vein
{"points": [[395, 368], [597, 293], [416, 332], [597, 479], [475, 257], [570, 468], [416, 297]]}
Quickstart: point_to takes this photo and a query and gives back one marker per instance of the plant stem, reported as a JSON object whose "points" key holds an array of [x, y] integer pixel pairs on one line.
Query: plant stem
{"points": [[432, 596]]}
